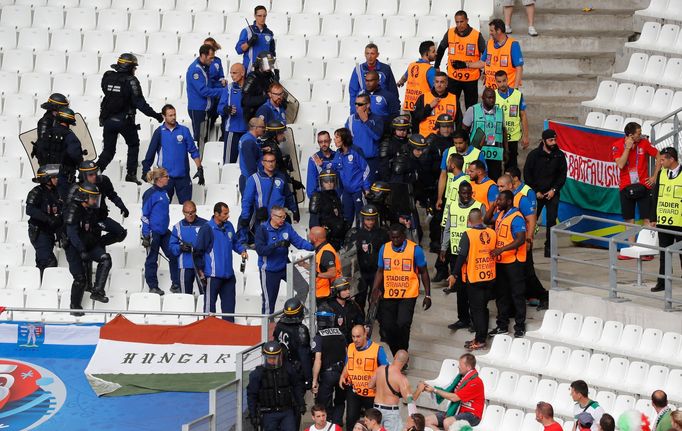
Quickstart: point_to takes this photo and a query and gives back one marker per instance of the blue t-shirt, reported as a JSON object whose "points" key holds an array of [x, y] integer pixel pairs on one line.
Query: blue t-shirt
{"points": [[518, 225], [516, 55], [444, 159], [528, 204], [419, 257], [506, 94]]}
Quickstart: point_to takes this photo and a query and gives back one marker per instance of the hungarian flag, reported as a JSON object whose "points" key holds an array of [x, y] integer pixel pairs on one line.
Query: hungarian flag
{"points": [[136, 359], [592, 175]]}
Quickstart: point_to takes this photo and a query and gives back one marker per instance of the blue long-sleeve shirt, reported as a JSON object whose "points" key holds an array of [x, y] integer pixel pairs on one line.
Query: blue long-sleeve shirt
{"points": [[257, 191], [232, 96], [386, 80], [170, 148], [266, 42], [155, 211], [271, 257], [269, 112], [186, 232], [249, 154], [199, 90], [214, 247], [311, 185], [216, 73], [353, 171], [367, 134]]}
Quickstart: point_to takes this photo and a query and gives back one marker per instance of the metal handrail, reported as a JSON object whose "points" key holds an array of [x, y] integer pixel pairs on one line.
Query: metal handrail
{"points": [[159, 313], [565, 227]]}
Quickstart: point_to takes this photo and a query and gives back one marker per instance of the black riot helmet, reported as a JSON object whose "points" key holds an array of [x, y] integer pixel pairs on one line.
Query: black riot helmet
{"points": [[325, 316], [369, 212], [272, 355], [379, 192], [339, 285], [55, 101], [87, 167], [88, 193], [293, 311], [328, 180], [126, 63], [66, 115], [444, 120], [265, 62], [400, 123], [417, 142], [46, 173], [274, 128]]}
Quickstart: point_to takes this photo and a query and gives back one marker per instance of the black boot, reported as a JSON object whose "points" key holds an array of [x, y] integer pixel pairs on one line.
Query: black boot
{"points": [[156, 290], [440, 276], [101, 275], [660, 286], [76, 307], [132, 178], [99, 295], [175, 288]]}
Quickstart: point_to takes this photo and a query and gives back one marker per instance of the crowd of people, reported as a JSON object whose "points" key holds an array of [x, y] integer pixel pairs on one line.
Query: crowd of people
{"points": [[456, 159]]}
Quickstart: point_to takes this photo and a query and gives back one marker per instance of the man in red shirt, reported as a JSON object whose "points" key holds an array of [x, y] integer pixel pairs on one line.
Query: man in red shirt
{"points": [[319, 416], [373, 420], [635, 183], [544, 413], [465, 393]]}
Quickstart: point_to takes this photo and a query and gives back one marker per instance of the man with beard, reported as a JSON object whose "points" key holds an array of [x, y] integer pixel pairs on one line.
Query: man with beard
{"points": [[485, 124]]}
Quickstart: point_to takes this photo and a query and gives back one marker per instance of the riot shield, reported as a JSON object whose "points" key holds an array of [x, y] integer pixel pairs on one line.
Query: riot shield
{"points": [[289, 148], [80, 129], [401, 199], [292, 107]]}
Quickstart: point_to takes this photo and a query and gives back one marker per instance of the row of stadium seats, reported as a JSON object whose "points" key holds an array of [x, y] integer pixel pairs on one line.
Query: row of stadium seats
{"points": [[496, 417], [657, 37], [656, 69], [662, 9], [616, 122], [643, 100], [290, 7], [601, 370]]}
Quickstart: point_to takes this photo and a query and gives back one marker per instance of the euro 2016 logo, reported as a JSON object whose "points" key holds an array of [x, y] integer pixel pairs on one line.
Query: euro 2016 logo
{"points": [[414, 71], [485, 238]]}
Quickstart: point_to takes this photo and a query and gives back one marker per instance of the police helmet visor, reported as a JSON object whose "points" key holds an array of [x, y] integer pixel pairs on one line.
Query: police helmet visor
{"points": [[273, 360], [267, 64], [328, 181], [325, 319], [92, 198], [369, 218]]}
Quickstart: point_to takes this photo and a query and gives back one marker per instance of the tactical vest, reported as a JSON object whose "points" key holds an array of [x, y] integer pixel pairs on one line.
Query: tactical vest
{"points": [[499, 59], [511, 109], [333, 348], [116, 95], [400, 272], [361, 366], [463, 49], [447, 105], [292, 336], [480, 265], [458, 222], [51, 148], [276, 390], [416, 83], [492, 127], [668, 211], [505, 237]]}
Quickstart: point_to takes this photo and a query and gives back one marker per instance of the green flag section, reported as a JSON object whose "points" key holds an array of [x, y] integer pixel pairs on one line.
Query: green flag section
{"points": [[134, 359], [592, 175]]}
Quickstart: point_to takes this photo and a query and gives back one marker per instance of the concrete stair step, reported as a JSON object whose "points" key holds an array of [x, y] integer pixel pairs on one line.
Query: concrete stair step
{"points": [[559, 86], [580, 22], [577, 66], [619, 5], [566, 41]]}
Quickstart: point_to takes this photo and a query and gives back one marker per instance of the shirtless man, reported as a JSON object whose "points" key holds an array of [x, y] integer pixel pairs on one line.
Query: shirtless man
{"points": [[391, 385]]}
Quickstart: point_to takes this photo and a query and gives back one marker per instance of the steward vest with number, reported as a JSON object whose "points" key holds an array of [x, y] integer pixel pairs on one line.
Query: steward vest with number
{"points": [[463, 48], [416, 83], [447, 105], [492, 127], [668, 208], [400, 273], [361, 366], [480, 192], [458, 222], [505, 237], [499, 59], [511, 108], [323, 285], [480, 265]]}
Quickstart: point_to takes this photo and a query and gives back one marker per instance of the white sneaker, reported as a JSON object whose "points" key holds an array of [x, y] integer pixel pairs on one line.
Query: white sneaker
{"points": [[507, 29], [532, 31]]}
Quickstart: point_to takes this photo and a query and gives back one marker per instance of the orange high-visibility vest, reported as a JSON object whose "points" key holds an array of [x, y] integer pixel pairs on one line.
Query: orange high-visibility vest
{"points": [[480, 265], [361, 367], [400, 272], [447, 105], [463, 49], [323, 285], [480, 192], [416, 83], [505, 237], [499, 59]]}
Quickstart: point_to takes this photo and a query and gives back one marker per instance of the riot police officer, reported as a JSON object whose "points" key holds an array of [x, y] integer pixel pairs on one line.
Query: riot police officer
{"points": [[390, 146], [294, 335], [369, 238], [84, 233], [275, 392], [326, 208], [347, 311], [378, 195], [47, 121], [329, 348], [61, 146], [88, 172], [122, 97], [274, 138], [44, 209], [257, 82]]}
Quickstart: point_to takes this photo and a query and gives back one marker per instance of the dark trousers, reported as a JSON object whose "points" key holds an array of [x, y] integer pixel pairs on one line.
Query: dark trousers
{"points": [[356, 406], [270, 281], [478, 295], [64, 186], [534, 288], [197, 118], [151, 264], [187, 278], [223, 287], [77, 270], [396, 321], [374, 165], [180, 185], [364, 289], [126, 128], [494, 169], [44, 247], [115, 232], [463, 304], [552, 206], [470, 89], [511, 295], [231, 148], [666, 240], [330, 395], [352, 203], [512, 154], [279, 421], [242, 184]]}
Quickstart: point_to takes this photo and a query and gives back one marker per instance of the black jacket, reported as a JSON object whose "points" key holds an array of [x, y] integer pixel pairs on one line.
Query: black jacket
{"points": [[544, 171]]}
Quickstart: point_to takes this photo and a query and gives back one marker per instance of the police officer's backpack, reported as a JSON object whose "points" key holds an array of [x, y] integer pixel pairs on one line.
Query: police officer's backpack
{"points": [[115, 89], [50, 148]]}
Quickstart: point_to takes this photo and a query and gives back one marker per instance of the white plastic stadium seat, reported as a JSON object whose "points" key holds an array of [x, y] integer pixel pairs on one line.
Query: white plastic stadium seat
{"points": [[660, 104], [292, 46], [17, 60], [175, 21], [98, 41], [636, 66], [160, 5], [327, 91], [323, 47], [49, 17], [299, 88], [191, 5], [126, 280], [223, 6], [51, 62], [209, 22], [115, 20], [24, 277], [117, 302], [13, 298], [147, 21], [336, 25], [448, 371], [648, 36], [605, 93], [558, 361], [594, 119], [339, 69], [489, 376], [320, 7], [21, 105], [654, 380], [673, 386], [400, 26], [642, 99], [82, 19], [10, 256], [623, 97], [8, 38], [351, 7], [512, 419], [492, 417], [15, 17], [164, 43], [9, 82], [85, 63], [530, 423], [668, 348], [36, 39], [353, 47], [391, 48], [382, 7], [656, 8], [313, 113], [309, 68], [610, 336], [38, 299], [305, 24], [368, 26], [506, 385], [130, 41], [591, 330], [56, 279], [613, 122], [431, 27], [10, 210], [249, 5], [499, 351], [37, 84]]}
